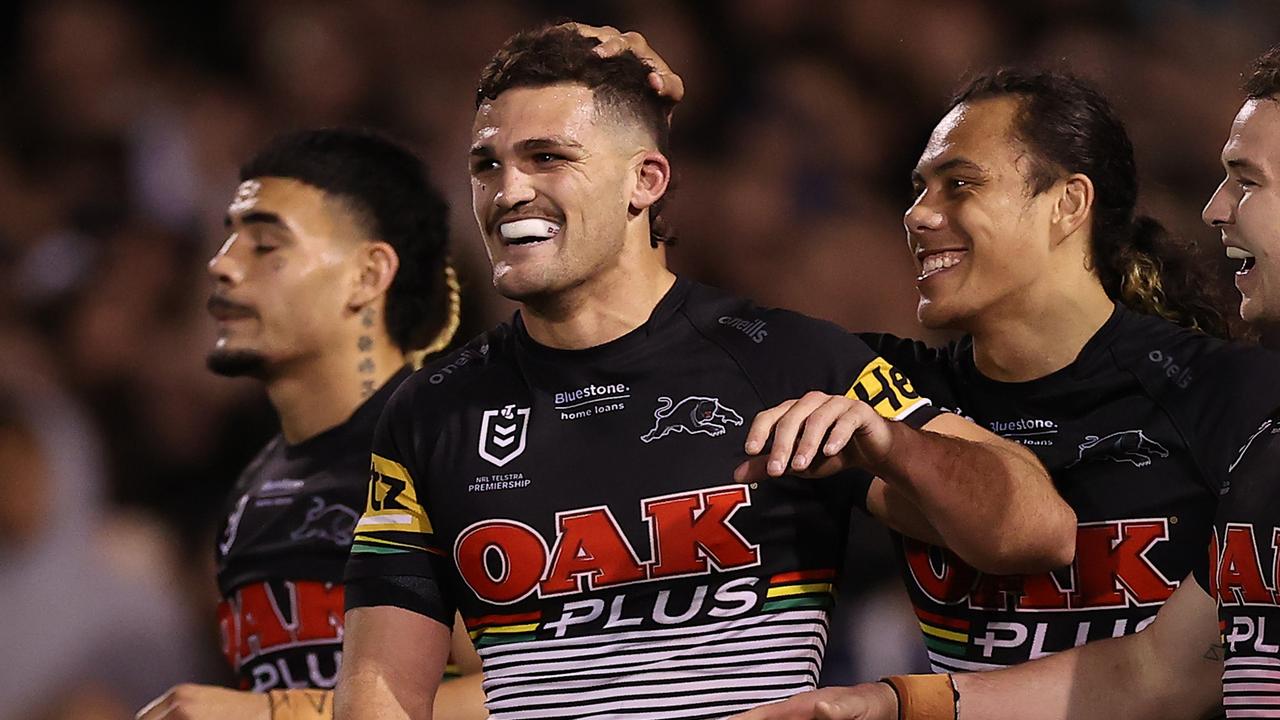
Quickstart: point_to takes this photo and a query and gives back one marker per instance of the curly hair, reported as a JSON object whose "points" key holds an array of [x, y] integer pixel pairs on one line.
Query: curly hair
{"points": [[389, 190], [1262, 81]]}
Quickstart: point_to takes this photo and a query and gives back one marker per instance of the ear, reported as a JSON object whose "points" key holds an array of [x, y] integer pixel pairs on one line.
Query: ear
{"points": [[653, 175], [376, 266], [1074, 206]]}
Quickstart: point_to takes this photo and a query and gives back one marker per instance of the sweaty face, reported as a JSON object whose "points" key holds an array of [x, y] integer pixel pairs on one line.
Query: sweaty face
{"points": [[279, 277], [1246, 208], [979, 239], [550, 182]]}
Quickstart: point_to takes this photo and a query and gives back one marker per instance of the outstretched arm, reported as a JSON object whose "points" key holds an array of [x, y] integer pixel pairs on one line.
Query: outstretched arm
{"points": [[988, 499], [1170, 671]]}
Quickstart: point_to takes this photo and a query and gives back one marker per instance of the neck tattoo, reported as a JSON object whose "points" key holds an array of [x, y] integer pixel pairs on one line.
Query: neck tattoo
{"points": [[364, 344]]}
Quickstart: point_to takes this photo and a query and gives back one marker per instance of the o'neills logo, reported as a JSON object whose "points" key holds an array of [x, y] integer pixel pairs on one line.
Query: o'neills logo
{"points": [[504, 561], [753, 329]]}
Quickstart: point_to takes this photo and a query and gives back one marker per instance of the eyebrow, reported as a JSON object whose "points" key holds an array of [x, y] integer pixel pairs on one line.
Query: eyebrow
{"points": [[530, 145], [1241, 164], [959, 163], [257, 217]]}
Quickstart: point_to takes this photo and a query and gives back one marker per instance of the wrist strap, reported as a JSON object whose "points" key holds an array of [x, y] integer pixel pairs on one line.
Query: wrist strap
{"points": [[925, 697], [301, 704]]}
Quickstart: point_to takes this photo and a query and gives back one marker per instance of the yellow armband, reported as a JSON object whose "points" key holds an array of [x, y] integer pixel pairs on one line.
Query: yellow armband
{"points": [[925, 697], [301, 704]]}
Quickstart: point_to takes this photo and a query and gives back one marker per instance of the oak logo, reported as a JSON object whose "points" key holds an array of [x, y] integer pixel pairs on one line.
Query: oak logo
{"points": [[1111, 571], [505, 561], [502, 434], [1241, 563]]}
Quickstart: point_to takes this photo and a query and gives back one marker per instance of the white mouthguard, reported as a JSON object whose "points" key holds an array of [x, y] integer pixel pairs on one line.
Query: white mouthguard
{"points": [[530, 227]]}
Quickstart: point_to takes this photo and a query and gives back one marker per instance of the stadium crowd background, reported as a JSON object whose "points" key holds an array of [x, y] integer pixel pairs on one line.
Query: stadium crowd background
{"points": [[121, 131]]}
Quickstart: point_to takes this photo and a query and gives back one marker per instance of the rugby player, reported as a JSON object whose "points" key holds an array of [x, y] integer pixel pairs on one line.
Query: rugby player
{"points": [[334, 271], [1026, 237], [567, 481], [1175, 667]]}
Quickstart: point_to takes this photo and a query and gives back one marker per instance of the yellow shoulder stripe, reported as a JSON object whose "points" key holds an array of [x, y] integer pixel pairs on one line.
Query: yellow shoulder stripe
{"points": [[885, 388]]}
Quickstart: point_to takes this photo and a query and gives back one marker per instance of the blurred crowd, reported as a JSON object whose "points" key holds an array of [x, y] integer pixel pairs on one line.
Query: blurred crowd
{"points": [[122, 130]]}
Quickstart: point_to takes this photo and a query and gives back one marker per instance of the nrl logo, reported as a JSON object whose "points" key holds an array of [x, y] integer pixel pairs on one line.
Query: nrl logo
{"points": [[502, 434], [691, 415]]}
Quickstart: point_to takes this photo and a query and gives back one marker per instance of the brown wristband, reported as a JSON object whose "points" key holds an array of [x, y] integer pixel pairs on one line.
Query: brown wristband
{"points": [[925, 697], [301, 704]]}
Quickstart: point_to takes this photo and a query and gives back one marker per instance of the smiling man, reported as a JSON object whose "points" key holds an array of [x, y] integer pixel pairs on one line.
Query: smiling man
{"points": [[567, 481], [1190, 663]]}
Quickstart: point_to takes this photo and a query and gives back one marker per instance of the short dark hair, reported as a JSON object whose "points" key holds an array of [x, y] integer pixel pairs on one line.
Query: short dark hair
{"points": [[388, 188], [1069, 127], [1262, 81], [553, 54]]}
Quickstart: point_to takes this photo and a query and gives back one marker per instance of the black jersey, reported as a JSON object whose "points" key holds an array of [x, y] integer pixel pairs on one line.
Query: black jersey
{"points": [[1137, 434], [1242, 572], [578, 507], [282, 550]]}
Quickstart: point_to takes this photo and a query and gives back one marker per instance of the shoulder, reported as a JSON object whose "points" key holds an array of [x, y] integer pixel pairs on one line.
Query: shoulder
{"points": [[1168, 358], [784, 354], [734, 321], [447, 379], [913, 356]]}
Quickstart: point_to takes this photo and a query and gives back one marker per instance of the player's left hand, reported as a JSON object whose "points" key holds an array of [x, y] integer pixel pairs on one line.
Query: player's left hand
{"points": [[869, 701], [613, 41], [206, 702], [815, 436]]}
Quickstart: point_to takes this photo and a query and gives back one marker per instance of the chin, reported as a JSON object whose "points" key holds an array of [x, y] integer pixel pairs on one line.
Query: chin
{"points": [[237, 363], [936, 316], [525, 287]]}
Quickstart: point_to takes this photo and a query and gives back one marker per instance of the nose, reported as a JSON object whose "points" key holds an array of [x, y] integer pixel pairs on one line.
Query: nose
{"points": [[223, 266], [514, 188], [922, 217], [1220, 210]]}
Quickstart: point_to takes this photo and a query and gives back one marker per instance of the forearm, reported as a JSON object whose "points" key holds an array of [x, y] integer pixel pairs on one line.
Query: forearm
{"points": [[458, 699], [366, 695], [300, 704], [993, 505], [461, 698], [1118, 678]]}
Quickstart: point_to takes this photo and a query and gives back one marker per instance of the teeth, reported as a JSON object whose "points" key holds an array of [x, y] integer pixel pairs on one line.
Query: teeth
{"points": [[530, 227], [939, 261], [1237, 253]]}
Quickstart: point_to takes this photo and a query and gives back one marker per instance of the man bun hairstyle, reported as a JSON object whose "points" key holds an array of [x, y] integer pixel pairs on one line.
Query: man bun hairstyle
{"points": [[1069, 127], [388, 189], [555, 54], [1262, 81]]}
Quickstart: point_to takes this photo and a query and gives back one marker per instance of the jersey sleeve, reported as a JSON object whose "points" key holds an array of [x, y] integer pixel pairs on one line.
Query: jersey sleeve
{"points": [[929, 368], [1221, 400], [786, 355], [396, 557]]}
